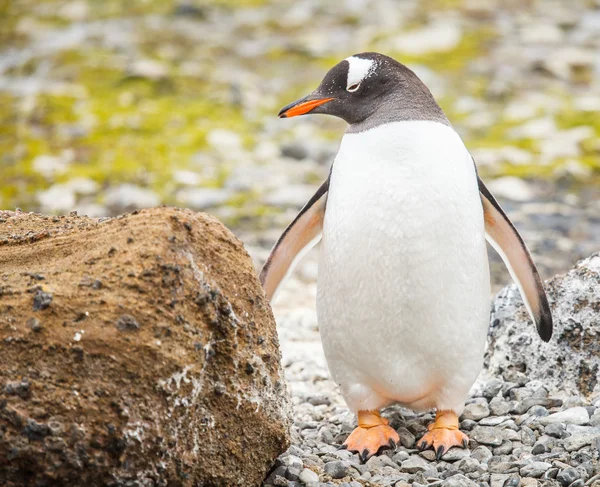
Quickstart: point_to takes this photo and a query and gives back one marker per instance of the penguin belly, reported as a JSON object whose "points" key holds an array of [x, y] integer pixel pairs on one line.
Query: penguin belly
{"points": [[403, 285]]}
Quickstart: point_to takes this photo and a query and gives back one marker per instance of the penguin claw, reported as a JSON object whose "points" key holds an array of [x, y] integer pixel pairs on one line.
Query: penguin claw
{"points": [[439, 453], [370, 441], [442, 439]]}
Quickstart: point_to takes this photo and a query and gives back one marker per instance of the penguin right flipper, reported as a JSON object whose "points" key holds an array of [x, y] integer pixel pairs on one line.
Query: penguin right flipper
{"points": [[503, 236], [298, 238]]}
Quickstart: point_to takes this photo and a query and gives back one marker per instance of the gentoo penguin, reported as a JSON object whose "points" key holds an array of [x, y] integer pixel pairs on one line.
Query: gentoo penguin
{"points": [[403, 298]]}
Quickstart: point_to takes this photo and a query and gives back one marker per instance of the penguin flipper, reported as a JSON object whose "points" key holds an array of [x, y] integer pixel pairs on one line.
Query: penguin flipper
{"points": [[298, 238], [503, 236]]}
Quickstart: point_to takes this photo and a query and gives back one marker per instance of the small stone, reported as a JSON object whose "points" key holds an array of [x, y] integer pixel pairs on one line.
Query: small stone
{"points": [[577, 415], [41, 300], [540, 447], [292, 474], [308, 476], [491, 388], [499, 407], [407, 439], [127, 323], [458, 480], [415, 464], [290, 461], [482, 454], [527, 436], [557, 430], [337, 469], [456, 454], [581, 438], [504, 449], [400, 457], [476, 411], [468, 465], [526, 404], [535, 469], [486, 436], [34, 325], [567, 476]]}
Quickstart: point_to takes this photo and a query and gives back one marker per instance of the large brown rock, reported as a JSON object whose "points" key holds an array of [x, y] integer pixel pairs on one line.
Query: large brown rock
{"points": [[138, 350]]}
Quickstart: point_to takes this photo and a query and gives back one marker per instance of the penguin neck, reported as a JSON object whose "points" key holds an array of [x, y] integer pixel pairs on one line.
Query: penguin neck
{"points": [[418, 105]]}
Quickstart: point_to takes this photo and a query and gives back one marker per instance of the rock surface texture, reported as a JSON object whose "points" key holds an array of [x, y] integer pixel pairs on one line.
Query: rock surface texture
{"points": [[570, 363], [138, 350]]}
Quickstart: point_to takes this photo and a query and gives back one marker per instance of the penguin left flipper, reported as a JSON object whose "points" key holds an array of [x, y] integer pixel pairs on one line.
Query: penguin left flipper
{"points": [[298, 238], [503, 236]]}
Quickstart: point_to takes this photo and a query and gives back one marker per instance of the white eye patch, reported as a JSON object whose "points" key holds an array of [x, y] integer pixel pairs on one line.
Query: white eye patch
{"points": [[358, 70]]}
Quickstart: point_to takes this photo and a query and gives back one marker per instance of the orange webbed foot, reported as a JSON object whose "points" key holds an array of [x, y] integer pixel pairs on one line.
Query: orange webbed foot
{"points": [[443, 434], [372, 435]]}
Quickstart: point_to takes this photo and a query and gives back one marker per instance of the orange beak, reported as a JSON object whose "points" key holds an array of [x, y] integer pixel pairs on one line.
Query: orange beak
{"points": [[301, 107]]}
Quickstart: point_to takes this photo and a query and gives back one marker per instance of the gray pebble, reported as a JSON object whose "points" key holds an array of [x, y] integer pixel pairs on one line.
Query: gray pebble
{"points": [[504, 449], [468, 465], [535, 469], [337, 469], [34, 325], [557, 430], [499, 407], [407, 439], [476, 411], [456, 454], [308, 476], [567, 476], [415, 464], [482, 454], [400, 457], [491, 388], [458, 480], [527, 436], [486, 435]]}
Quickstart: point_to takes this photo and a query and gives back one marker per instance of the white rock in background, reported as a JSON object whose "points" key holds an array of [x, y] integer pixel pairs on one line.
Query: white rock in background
{"points": [[542, 33], [84, 186], [539, 128], [511, 188], [92, 210], [439, 36], [202, 198], [49, 166], [56, 199], [186, 178], [224, 140], [129, 196], [563, 62], [566, 143], [148, 68]]}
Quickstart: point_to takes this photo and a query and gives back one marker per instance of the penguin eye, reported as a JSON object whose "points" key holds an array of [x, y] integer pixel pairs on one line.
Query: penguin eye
{"points": [[353, 88]]}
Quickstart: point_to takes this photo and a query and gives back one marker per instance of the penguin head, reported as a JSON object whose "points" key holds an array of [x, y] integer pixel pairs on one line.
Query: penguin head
{"points": [[367, 88]]}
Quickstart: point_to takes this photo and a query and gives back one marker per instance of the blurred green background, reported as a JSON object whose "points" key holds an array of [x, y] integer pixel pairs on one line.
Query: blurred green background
{"points": [[108, 105]]}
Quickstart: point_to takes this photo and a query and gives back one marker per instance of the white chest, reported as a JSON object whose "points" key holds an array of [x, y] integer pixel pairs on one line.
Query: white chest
{"points": [[403, 261]]}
